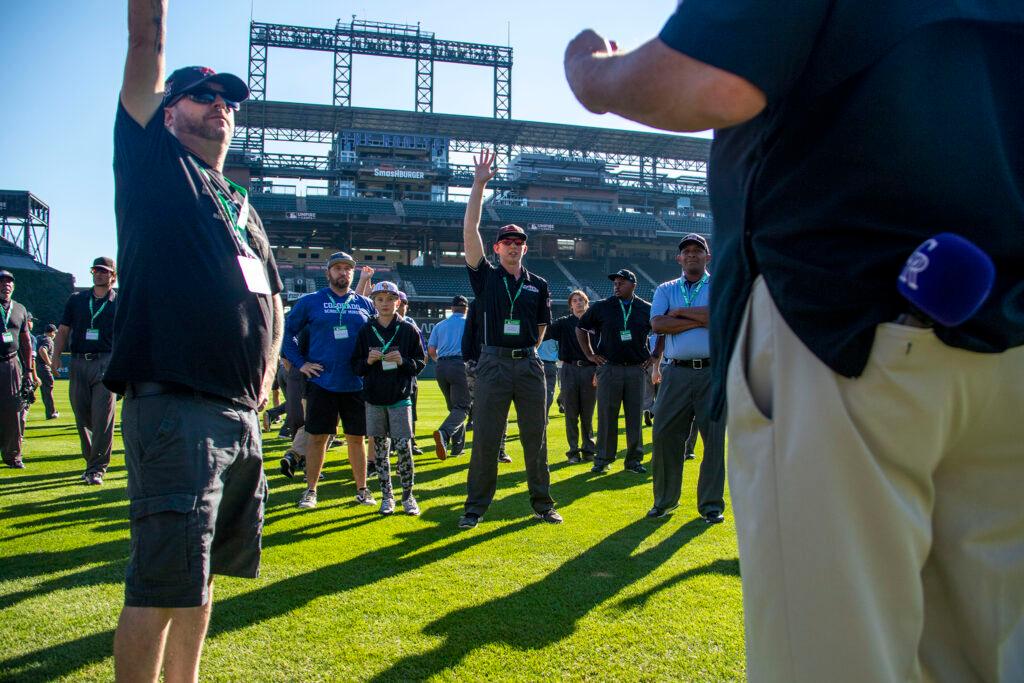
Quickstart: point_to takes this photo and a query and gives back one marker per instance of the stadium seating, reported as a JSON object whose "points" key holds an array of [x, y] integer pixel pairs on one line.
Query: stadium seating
{"points": [[351, 205], [523, 215], [637, 224], [685, 224], [267, 202], [431, 281], [661, 271], [558, 284], [441, 211], [592, 275]]}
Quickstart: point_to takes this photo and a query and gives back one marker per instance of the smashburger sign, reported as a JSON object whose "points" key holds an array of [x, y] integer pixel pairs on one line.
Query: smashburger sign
{"points": [[397, 173]]}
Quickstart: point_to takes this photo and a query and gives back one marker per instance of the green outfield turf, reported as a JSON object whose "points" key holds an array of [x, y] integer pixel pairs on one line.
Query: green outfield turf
{"points": [[348, 595]]}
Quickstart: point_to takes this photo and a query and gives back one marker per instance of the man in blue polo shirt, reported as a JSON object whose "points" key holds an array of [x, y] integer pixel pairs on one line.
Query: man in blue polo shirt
{"points": [[334, 316], [445, 347], [680, 313]]}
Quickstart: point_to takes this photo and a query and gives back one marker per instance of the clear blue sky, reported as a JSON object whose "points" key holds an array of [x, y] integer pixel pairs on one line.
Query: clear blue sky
{"points": [[62, 62]]}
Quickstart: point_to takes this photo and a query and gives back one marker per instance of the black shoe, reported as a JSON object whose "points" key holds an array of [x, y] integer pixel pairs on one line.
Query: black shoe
{"points": [[416, 450], [504, 457], [440, 444], [468, 520], [288, 464], [599, 468], [587, 456], [561, 408], [648, 418], [18, 465], [458, 449], [285, 433], [550, 516], [690, 456], [714, 517], [657, 512], [469, 426], [574, 459], [636, 468]]}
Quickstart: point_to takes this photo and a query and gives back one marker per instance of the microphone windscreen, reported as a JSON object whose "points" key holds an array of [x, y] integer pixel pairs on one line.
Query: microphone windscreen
{"points": [[947, 278]]}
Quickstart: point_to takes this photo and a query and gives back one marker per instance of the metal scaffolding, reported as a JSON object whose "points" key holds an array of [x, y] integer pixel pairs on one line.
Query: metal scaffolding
{"points": [[25, 222]]}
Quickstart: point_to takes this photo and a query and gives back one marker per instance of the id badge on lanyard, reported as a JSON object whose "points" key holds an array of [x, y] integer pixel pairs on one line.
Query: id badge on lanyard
{"points": [[340, 332], [92, 334], [512, 326], [253, 271], [8, 338]]}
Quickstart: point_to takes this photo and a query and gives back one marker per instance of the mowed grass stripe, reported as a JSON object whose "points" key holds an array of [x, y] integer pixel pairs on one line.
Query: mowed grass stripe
{"points": [[348, 595]]}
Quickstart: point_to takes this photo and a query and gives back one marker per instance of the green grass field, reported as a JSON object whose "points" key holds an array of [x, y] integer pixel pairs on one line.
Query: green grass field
{"points": [[346, 594]]}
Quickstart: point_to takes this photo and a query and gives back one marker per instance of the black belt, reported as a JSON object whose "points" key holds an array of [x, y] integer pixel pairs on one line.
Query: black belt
{"points": [[143, 389], [626, 365], [580, 363], [450, 358], [504, 352], [90, 356], [692, 363], [553, 362]]}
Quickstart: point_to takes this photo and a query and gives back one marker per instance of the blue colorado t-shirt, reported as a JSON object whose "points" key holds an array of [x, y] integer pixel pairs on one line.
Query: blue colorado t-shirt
{"points": [[321, 313]]}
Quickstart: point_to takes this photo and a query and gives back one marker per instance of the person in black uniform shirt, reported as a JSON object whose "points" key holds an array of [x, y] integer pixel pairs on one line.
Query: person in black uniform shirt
{"points": [[472, 343], [516, 310], [88, 324], [579, 395], [195, 363], [875, 460], [17, 366], [44, 358], [621, 323]]}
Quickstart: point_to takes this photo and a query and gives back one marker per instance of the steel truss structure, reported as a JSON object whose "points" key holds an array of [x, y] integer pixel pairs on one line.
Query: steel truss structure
{"points": [[25, 221]]}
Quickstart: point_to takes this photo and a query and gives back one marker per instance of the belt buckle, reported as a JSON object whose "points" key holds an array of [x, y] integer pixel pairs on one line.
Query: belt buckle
{"points": [[518, 354], [697, 363]]}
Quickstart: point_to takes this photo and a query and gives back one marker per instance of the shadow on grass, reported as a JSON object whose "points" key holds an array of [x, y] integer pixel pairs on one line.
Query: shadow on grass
{"points": [[730, 567], [547, 611]]}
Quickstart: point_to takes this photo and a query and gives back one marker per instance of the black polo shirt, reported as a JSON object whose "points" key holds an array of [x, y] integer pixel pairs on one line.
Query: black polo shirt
{"points": [[563, 331], [81, 320], [17, 321], [495, 289], [606, 320], [185, 313], [471, 334], [886, 123]]}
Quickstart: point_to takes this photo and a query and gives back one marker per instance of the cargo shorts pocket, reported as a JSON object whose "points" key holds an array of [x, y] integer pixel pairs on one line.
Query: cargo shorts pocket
{"points": [[164, 537]]}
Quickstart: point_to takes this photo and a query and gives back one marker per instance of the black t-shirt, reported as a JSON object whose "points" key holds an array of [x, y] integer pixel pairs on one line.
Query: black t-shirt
{"points": [[81, 320], [17, 321], [185, 314], [887, 121], [563, 331], [471, 342], [43, 341], [386, 387], [495, 289], [607, 320]]}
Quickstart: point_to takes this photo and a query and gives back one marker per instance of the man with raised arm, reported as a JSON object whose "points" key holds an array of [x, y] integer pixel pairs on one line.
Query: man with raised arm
{"points": [[516, 309], [195, 364]]}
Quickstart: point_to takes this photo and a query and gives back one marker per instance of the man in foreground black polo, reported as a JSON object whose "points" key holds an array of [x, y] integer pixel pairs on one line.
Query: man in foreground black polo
{"points": [[874, 465], [194, 363], [516, 310], [16, 366], [87, 331], [579, 395], [621, 324]]}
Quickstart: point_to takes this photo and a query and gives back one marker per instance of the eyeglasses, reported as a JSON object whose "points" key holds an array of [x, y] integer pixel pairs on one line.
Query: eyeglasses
{"points": [[512, 242], [203, 96]]}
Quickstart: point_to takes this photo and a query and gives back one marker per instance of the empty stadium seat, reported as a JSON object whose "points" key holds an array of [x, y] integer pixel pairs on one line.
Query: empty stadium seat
{"points": [[351, 205]]}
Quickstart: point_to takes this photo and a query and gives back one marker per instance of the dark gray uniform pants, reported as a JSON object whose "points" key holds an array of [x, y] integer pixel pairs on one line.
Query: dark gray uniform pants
{"points": [[500, 382], [10, 411], [651, 393], [93, 405], [579, 398], [684, 398], [294, 393], [619, 385], [550, 378], [46, 388], [451, 377]]}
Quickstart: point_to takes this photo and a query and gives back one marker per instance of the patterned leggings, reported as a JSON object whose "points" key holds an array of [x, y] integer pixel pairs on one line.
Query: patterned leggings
{"points": [[382, 449]]}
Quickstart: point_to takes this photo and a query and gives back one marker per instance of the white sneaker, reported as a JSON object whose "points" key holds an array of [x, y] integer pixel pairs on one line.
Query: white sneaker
{"points": [[308, 500], [410, 506], [364, 497], [387, 505]]}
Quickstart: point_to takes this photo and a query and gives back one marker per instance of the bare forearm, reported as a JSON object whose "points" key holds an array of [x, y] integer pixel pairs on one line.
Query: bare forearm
{"points": [[584, 339], [474, 246], [60, 340], [144, 66], [667, 324], [541, 329], [700, 314], [276, 335], [25, 348]]}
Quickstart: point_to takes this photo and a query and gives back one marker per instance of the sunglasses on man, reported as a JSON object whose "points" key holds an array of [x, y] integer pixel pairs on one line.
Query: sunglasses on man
{"points": [[204, 96], [510, 242]]}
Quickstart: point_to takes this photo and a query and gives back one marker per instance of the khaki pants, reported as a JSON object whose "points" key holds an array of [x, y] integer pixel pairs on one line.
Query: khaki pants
{"points": [[880, 519]]}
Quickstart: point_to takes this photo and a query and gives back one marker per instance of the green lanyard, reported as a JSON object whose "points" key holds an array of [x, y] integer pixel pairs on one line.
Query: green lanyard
{"points": [[511, 299], [344, 306], [92, 322], [690, 295], [626, 313], [7, 315], [239, 217], [387, 345]]}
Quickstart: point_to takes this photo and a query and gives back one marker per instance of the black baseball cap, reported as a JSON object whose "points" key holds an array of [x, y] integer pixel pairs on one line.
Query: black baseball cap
{"points": [[104, 263], [510, 230], [51, 328], [694, 238], [7, 274], [459, 300], [624, 274], [189, 78]]}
